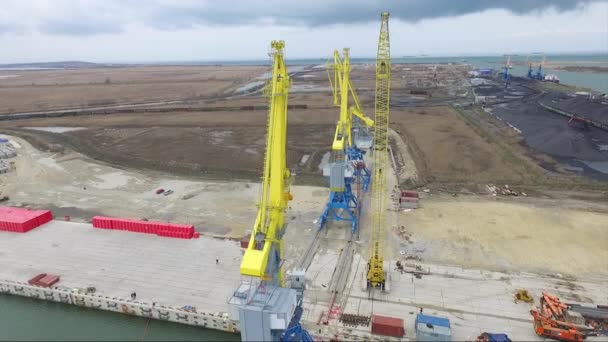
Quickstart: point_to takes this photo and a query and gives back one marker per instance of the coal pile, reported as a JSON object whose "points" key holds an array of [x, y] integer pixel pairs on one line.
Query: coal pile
{"points": [[549, 133], [584, 107]]}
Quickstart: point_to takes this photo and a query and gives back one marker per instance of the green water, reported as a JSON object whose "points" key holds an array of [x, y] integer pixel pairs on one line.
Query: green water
{"points": [[595, 81], [29, 319]]}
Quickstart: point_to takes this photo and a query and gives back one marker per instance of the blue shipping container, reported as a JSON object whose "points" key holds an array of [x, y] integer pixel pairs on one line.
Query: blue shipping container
{"points": [[431, 328]]}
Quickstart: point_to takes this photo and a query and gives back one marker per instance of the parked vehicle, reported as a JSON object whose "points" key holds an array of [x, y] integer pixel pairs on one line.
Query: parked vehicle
{"points": [[489, 337], [168, 192], [160, 191]]}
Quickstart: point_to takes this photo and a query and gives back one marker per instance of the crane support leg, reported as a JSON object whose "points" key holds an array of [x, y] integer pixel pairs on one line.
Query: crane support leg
{"points": [[342, 206]]}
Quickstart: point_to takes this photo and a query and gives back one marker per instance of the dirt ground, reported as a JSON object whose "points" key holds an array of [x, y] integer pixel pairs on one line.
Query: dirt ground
{"points": [[221, 145], [56, 89], [447, 149], [76, 186], [533, 235]]}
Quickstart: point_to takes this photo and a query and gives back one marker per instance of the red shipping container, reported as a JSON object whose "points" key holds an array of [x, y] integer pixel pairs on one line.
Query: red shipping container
{"points": [[409, 193], [102, 222], [35, 279], [168, 227], [163, 232], [245, 241], [119, 224], [388, 326], [158, 228], [148, 228], [408, 199], [22, 220], [48, 280]]}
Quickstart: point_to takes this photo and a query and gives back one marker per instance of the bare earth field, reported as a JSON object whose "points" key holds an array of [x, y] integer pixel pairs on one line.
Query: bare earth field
{"points": [[532, 235], [222, 145], [448, 149], [55, 89]]}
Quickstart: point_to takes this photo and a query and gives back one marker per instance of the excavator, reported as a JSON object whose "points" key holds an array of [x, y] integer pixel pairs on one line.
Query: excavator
{"points": [[348, 147], [264, 307]]}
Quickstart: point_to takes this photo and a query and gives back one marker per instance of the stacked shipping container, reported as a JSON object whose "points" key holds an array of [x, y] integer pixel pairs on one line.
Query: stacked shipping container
{"points": [[21, 220], [408, 199], [159, 228]]}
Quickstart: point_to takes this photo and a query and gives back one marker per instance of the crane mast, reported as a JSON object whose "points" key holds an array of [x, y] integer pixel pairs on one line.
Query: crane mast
{"points": [[263, 256], [376, 275]]}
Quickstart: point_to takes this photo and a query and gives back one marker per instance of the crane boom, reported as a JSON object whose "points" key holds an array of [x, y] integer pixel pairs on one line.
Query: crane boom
{"points": [[343, 137], [263, 256], [375, 275]]}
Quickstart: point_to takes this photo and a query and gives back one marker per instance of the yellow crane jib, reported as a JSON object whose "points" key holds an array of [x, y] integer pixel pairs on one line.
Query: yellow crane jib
{"points": [[342, 88], [263, 256], [375, 275]]}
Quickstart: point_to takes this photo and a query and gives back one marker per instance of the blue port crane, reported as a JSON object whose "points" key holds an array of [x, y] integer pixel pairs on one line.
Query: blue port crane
{"points": [[539, 76], [530, 73], [348, 147], [506, 75]]}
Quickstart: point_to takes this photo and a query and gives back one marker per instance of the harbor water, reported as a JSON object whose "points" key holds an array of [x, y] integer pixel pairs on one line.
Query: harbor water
{"points": [[27, 319]]}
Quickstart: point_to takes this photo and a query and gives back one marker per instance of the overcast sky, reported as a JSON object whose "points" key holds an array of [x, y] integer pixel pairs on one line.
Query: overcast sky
{"points": [[207, 30]]}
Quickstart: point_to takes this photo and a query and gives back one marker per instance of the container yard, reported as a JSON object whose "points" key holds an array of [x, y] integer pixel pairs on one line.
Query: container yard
{"points": [[348, 199]]}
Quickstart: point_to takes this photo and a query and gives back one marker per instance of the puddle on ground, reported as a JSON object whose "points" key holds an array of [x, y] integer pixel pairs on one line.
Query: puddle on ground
{"points": [[56, 129], [112, 180]]}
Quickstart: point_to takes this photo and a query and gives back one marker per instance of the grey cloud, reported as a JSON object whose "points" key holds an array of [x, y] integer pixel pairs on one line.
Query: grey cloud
{"points": [[8, 26], [328, 12], [89, 17], [79, 27]]}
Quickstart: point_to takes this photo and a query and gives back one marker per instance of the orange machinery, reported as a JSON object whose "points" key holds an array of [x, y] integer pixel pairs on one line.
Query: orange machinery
{"points": [[550, 321]]}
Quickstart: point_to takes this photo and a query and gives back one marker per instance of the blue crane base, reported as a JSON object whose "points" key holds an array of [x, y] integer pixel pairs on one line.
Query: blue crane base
{"points": [[355, 156], [341, 207], [530, 73], [295, 332]]}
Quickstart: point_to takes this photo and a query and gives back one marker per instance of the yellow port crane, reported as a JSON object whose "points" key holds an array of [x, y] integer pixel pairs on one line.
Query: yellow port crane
{"points": [[342, 86], [348, 163], [264, 254], [376, 276]]}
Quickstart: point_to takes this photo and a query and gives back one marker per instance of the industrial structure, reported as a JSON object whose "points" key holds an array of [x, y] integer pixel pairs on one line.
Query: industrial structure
{"points": [[539, 76], [506, 75], [530, 73], [262, 306], [376, 276], [351, 140]]}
